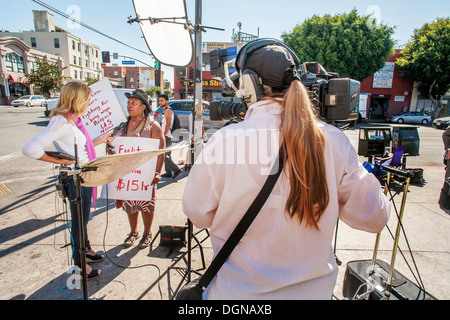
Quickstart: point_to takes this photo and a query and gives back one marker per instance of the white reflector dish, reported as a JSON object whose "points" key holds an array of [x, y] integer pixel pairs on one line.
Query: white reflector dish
{"points": [[170, 43]]}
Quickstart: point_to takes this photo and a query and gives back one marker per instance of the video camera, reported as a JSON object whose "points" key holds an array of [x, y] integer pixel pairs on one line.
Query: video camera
{"points": [[335, 99]]}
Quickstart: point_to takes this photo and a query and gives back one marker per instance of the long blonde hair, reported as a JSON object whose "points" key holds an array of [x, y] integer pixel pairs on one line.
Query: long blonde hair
{"points": [[303, 144], [74, 99]]}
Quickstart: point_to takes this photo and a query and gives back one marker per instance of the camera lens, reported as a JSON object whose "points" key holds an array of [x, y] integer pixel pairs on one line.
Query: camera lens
{"points": [[225, 110]]}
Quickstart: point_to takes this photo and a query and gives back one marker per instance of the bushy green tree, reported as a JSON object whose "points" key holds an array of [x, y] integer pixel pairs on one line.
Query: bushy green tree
{"points": [[46, 76], [426, 60], [352, 45]]}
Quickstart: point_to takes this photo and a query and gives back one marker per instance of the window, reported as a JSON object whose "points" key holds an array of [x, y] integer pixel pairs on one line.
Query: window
{"points": [[73, 45], [131, 73], [131, 79], [75, 74], [74, 60], [31, 66], [33, 43], [79, 61], [14, 63], [56, 40]]}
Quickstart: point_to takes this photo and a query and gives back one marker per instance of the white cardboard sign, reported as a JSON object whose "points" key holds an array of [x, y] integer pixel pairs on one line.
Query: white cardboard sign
{"points": [[104, 111], [137, 184]]}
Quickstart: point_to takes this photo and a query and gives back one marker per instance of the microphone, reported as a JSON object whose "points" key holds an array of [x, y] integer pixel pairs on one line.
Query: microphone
{"points": [[117, 129]]}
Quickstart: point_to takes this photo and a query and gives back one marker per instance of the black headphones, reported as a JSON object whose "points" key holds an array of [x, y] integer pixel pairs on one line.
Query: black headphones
{"points": [[252, 46], [250, 88]]}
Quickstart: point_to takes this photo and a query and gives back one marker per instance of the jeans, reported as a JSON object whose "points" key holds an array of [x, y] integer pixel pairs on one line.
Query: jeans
{"points": [[86, 196], [170, 166]]}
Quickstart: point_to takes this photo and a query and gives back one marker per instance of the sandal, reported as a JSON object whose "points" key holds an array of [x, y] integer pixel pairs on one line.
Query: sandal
{"points": [[94, 274], [145, 241], [94, 258], [130, 240]]}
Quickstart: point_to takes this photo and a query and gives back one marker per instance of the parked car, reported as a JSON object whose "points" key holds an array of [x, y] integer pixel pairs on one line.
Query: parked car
{"points": [[441, 123], [410, 117], [50, 105], [183, 108], [29, 101]]}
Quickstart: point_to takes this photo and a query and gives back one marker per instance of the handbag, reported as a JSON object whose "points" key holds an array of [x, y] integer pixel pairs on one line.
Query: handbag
{"points": [[194, 289]]}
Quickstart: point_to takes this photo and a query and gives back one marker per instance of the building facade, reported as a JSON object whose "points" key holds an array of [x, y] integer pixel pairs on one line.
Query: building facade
{"points": [[82, 58], [212, 88], [130, 77], [16, 60], [390, 94]]}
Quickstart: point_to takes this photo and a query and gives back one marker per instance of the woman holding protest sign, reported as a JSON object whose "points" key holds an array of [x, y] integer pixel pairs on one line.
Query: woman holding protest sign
{"points": [[139, 124], [66, 127]]}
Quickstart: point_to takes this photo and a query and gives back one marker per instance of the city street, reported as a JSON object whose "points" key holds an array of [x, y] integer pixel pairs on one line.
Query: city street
{"points": [[33, 233]]}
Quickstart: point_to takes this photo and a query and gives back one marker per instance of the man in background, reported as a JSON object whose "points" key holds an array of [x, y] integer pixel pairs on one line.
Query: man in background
{"points": [[444, 199], [167, 117]]}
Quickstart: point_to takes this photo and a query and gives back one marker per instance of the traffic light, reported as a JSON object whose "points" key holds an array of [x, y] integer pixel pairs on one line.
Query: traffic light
{"points": [[106, 57], [157, 78], [191, 73]]}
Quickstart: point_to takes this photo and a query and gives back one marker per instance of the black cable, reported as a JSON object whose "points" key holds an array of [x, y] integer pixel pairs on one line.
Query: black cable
{"points": [[87, 26], [118, 265]]}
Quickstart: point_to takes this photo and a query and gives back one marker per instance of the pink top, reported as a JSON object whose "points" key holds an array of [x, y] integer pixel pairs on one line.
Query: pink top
{"points": [[277, 258]]}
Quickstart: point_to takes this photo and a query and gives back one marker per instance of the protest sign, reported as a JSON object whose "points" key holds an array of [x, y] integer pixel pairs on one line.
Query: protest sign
{"points": [[104, 111], [137, 184]]}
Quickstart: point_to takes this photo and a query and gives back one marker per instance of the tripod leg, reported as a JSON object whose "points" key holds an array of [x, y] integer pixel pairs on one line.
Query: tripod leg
{"points": [[82, 237]]}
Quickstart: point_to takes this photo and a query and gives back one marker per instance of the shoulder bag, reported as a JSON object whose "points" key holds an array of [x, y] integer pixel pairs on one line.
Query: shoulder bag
{"points": [[194, 289]]}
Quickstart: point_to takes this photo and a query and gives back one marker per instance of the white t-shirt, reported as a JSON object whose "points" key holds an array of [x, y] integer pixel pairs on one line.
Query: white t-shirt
{"points": [[277, 258], [62, 133], [164, 123]]}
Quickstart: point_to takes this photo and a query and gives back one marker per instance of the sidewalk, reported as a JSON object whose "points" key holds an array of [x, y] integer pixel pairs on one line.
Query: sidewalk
{"points": [[34, 259]]}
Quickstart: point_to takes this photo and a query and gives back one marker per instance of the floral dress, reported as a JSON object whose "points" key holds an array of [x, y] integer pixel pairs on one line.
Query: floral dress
{"points": [[134, 206]]}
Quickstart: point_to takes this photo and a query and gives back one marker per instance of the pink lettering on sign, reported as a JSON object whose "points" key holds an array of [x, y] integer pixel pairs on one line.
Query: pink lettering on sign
{"points": [[132, 149], [131, 185]]}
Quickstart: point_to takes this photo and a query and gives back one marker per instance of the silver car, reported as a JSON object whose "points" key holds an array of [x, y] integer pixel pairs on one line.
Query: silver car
{"points": [[29, 101], [183, 108], [411, 117]]}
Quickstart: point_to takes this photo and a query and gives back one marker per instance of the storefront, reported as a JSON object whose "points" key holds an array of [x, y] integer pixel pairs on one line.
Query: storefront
{"points": [[212, 88], [211, 91], [389, 94], [17, 60]]}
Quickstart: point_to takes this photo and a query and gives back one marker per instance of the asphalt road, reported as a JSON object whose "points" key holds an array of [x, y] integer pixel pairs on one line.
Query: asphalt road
{"points": [[18, 125]]}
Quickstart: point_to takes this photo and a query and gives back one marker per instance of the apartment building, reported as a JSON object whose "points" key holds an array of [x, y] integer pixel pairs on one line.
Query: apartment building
{"points": [[82, 58]]}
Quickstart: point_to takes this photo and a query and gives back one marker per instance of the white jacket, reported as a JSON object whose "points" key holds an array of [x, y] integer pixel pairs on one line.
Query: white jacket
{"points": [[277, 258]]}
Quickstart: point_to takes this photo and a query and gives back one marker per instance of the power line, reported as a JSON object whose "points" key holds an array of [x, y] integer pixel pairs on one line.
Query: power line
{"points": [[86, 26]]}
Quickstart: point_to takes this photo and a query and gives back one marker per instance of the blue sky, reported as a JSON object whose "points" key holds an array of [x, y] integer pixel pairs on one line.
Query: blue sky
{"points": [[271, 17]]}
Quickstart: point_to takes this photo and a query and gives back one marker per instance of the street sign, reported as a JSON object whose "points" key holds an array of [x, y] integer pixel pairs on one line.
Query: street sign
{"points": [[128, 62]]}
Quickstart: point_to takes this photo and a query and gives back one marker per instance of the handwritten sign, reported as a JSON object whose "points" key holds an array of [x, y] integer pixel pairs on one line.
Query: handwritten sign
{"points": [[137, 184], [104, 111]]}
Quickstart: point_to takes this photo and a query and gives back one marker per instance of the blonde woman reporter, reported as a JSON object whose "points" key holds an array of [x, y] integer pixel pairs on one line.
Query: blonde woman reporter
{"points": [[287, 251], [65, 125]]}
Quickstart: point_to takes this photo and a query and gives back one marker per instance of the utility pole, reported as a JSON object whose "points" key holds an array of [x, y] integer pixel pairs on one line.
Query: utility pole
{"points": [[197, 112]]}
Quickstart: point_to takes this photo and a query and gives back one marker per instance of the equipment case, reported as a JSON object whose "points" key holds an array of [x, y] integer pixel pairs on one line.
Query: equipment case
{"points": [[376, 279], [359, 272]]}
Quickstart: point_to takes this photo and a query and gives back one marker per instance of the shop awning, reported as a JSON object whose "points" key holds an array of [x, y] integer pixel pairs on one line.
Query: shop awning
{"points": [[18, 79]]}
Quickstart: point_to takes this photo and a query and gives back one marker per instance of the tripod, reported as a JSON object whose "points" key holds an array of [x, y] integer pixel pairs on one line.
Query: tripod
{"points": [[81, 234]]}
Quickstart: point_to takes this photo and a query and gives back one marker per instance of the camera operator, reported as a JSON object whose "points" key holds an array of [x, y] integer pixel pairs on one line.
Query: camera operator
{"points": [[287, 251]]}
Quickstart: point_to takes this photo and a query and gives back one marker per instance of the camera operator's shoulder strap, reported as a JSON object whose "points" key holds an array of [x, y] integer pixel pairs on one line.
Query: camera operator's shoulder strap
{"points": [[244, 224]]}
